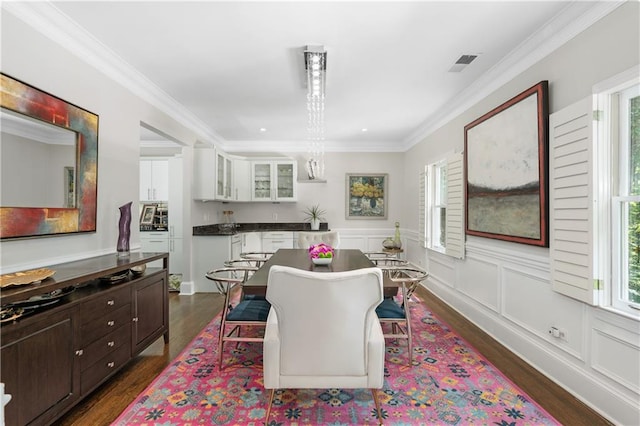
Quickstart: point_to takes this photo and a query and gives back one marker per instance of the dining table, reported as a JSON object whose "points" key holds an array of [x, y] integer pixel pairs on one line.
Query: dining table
{"points": [[343, 260]]}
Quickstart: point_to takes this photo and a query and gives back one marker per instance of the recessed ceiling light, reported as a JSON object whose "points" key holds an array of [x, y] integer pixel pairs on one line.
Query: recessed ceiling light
{"points": [[262, 129], [365, 129]]}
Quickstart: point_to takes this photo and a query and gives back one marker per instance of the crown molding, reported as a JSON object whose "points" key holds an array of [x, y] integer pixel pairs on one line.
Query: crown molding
{"points": [[571, 21], [58, 27], [303, 146]]}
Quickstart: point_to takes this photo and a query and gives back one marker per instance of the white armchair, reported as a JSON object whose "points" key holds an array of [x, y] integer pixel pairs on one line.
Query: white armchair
{"points": [[307, 239], [313, 317]]}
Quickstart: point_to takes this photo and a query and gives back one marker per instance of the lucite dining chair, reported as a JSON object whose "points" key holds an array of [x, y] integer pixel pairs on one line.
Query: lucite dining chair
{"points": [[239, 311], [394, 313]]}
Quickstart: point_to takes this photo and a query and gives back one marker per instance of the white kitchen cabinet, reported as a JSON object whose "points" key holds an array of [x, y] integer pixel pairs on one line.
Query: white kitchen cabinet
{"points": [[224, 176], [251, 242], [236, 246], [272, 241], [273, 180], [241, 180], [155, 242], [154, 180], [210, 252], [213, 175]]}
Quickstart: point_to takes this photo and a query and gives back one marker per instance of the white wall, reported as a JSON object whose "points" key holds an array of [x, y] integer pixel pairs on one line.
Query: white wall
{"points": [[505, 287], [33, 58]]}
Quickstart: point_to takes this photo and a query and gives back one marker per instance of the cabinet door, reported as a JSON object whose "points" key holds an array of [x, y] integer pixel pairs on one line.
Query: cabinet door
{"points": [[150, 310], [261, 181], [38, 369], [145, 181], [228, 177], [154, 180], [251, 242], [241, 180], [285, 173], [160, 179], [220, 174], [236, 246], [204, 176], [175, 256]]}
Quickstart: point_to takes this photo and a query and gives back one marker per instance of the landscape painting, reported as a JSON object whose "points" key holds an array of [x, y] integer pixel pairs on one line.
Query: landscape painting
{"points": [[506, 169]]}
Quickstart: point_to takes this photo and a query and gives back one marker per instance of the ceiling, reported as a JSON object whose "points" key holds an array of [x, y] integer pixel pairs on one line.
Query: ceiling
{"points": [[237, 66]]}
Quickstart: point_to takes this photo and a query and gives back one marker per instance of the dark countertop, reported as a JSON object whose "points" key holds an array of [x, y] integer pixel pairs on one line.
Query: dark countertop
{"points": [[257, 227]]}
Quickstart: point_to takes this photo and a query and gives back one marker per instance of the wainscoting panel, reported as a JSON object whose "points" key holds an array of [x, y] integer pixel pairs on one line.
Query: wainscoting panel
{"points": [[615, 351], [526, 298], [441, 268], [479, 280]]}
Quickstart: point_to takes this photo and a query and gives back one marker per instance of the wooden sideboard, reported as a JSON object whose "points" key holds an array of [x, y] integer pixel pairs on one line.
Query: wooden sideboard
{"points": [[53, 358]]}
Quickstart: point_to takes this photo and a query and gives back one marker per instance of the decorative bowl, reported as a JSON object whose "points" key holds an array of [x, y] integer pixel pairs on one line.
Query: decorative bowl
{"points": [[139, 269], [321, 260]]}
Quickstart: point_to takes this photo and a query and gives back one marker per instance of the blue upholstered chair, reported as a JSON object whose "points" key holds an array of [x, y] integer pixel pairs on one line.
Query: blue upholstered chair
{"points": [[394, 311], [238, 311]]}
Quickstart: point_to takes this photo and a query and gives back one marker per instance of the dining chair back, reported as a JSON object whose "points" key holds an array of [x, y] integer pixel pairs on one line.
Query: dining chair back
{"points": [[239, 311], [322, 330], [394, 313], [256, 258], [307, 239]]}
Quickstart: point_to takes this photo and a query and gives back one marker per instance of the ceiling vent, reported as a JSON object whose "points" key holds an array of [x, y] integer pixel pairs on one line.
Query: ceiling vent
{"points": [[462, 63]]}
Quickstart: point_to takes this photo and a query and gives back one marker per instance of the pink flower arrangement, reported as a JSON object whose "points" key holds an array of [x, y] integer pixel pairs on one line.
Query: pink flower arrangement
{"points": [[321, 250]]}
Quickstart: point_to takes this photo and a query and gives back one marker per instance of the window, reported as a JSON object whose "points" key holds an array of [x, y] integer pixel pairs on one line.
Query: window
{"points": [[433, 206], [437, 202], [441, 220], [625, 200]]}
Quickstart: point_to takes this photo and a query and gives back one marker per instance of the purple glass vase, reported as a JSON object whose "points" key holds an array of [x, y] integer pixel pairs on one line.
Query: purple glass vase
{"points": [[124, 230]]}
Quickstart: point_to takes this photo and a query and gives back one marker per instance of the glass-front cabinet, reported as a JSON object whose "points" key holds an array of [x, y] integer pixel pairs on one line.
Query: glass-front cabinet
{"points": [[273, 181], [224, 176]]}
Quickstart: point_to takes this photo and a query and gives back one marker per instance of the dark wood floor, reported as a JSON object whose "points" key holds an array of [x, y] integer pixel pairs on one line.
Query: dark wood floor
{"points": [[189, 315]]}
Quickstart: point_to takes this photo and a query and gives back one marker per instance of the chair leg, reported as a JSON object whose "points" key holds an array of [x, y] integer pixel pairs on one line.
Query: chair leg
{"points": [[266, 420], [377, 402], [220, 346]]}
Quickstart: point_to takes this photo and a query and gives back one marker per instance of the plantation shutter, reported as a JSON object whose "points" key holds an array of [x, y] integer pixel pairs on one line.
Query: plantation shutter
{"points": [[571, 187], [455, 213], [422, 218]]}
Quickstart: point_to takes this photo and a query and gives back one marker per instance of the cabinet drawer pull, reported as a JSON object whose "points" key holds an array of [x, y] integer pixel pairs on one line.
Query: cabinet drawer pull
{"points": [[111, 364], [111, 302], [79, 352], [134, 319], [111, 344], [111, 323]]}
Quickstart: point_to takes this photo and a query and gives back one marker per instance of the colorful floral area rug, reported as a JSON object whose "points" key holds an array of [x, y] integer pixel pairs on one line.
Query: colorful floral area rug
{"points": [[449, 383]]}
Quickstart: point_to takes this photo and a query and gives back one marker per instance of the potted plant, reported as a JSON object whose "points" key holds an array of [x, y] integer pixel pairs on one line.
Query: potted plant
{"points": [[314, 215]]}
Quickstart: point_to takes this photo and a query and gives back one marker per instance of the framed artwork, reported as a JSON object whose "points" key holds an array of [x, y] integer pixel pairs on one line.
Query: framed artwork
{"points": [[80, 214], [366, 196], [506, 165], [148, 213]]}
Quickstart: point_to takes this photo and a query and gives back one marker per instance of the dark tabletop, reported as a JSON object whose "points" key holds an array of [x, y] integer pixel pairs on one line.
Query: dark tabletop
{"points": [[343, 260]]}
